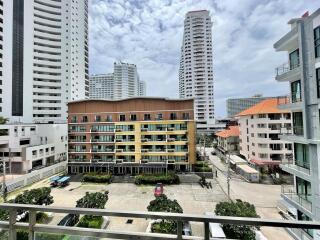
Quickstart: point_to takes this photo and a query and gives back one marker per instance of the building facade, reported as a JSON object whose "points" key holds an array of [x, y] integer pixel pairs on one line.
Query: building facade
{"points": [[101, 86], [302, 72], [45, 52], [123, 83], [27, 147], [237, 105], [228, 140], [196, 66], [131, 135], [260, 129]]}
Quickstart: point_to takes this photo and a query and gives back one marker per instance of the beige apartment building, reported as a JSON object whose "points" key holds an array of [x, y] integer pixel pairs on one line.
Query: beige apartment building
{"points": [[260, 128]]}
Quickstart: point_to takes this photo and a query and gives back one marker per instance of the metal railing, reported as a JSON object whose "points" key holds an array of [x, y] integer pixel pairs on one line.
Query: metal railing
{"points": [[292, 130], [32, 227], [300, 166], [286, 67], [301, 199]]}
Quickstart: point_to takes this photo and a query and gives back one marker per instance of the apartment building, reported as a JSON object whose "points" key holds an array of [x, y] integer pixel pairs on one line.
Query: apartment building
{"points": [[196, 66], [260, 129], [45, 58], [123, 83], [302, 71], [101, 86], [237, 105], [228, 140], [131, 136], [27, 147]]}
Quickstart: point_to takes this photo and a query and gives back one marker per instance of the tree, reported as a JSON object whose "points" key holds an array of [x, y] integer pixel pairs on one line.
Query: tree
{"points": [[93, 200], [163, 204], [3, 120], [237, 209], [38, 196]]}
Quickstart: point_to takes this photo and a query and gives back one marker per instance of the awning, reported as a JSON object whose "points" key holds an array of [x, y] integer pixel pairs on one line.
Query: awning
{"points": [[264, 162], [64, 179], [56, 178]]}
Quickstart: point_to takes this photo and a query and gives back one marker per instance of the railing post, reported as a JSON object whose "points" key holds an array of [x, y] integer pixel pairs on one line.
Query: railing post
{"points": [[179, 230], [12, 222], [206, 231], [32, 222]]}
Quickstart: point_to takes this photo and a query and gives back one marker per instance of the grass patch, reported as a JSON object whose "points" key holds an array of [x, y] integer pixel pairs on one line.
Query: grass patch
{"points": [[96, 178], [170, 178]]}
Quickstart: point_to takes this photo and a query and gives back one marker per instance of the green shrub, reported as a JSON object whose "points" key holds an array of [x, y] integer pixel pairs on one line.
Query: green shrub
{"points": [[203, 169], [88, 221], [237, 209], [97, 178], [170, 178], [200, 164], [167, 227]]}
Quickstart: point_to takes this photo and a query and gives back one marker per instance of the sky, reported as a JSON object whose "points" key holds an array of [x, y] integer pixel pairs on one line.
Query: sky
{"points": [[149, 34]]}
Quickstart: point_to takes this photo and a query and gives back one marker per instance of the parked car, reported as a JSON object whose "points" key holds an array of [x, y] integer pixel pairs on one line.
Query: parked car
{"points": [[158, 190]]}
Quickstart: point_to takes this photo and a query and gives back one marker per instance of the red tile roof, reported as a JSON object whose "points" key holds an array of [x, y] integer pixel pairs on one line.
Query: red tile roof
{"points": [[233, 131], [266, 106]]}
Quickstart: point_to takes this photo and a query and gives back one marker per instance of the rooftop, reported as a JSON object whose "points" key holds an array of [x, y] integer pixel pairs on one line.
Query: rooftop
{"points": [[232, 131], [266, 106]]}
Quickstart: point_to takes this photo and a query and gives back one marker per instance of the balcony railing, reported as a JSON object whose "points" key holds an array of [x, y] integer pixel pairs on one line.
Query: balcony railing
{"points": [[33, 228], [300, 166], [301, 199], [286, 67], [292, 130]]}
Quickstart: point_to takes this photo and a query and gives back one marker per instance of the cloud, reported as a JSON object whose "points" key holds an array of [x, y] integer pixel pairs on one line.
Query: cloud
{"points": [[149, 34]]}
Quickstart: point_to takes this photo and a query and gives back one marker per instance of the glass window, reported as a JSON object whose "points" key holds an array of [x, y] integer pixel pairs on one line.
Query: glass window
{"points": [[173, 116], [98, 118], [318, 81], [122, 117], [296, 91], [185, 116], [316, 32], [84, 118], [73, 119], [301, 155], [147, 117], [294, 59], [159, 116], [297, 123], [109, 118], [133, 117]]}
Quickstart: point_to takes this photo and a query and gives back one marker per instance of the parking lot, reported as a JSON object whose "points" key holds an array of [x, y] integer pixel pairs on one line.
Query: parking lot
{"points": [[129, 197]]}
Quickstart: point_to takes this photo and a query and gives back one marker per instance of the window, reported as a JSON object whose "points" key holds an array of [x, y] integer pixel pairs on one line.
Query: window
{"points": [[296, 91], [185, 116], [74, 119], [98, 118], [301, 155], [122, 117], [294, 59], [159, 116], [109, 118], [173, 116], [147, 117], [318, 81], [84, 118], [316, 32], [297, 123], [133, 117]]}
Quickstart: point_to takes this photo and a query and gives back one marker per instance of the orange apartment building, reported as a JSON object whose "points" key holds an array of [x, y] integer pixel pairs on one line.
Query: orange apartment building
{"points": [[131, 136]]}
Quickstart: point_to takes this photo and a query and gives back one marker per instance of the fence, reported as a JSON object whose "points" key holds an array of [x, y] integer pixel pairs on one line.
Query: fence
{"points": [[35, 176]]}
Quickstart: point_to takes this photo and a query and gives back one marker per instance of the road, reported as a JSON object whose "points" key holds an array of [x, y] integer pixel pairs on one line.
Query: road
{"points": [[264, 197]]}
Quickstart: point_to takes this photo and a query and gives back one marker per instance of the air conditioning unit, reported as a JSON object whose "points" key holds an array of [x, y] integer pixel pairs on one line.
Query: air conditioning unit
{"points": [[118, 130], [170, 150], [171, 139], [144, 150], [119, 150], [144, 129], [144, 160], [144, 140], [171, 129]]}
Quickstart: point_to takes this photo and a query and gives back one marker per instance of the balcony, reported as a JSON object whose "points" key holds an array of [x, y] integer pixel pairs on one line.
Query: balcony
{"points": [[301, 201], [302, 170], [286, 103], [288, 71], [33, 228], [292, 134]]}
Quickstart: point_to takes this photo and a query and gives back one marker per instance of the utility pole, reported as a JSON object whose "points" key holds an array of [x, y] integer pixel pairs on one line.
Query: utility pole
{"points": [[4, 186], [228, 177]]}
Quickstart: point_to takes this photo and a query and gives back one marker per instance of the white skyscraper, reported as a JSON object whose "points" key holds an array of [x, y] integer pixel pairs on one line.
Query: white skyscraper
{"points": [[196, 67], [142, 88], [45, 58], [101, 86]]}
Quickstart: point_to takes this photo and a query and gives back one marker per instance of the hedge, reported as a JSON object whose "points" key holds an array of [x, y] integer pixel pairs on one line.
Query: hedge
{"points": [[88, 221], [97, 178], [203, 169], [169, 178], [167, 227]]}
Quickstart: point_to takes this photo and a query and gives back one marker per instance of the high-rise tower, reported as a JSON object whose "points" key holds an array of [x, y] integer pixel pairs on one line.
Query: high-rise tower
{"points": [[45, 58], [196, 67]]}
